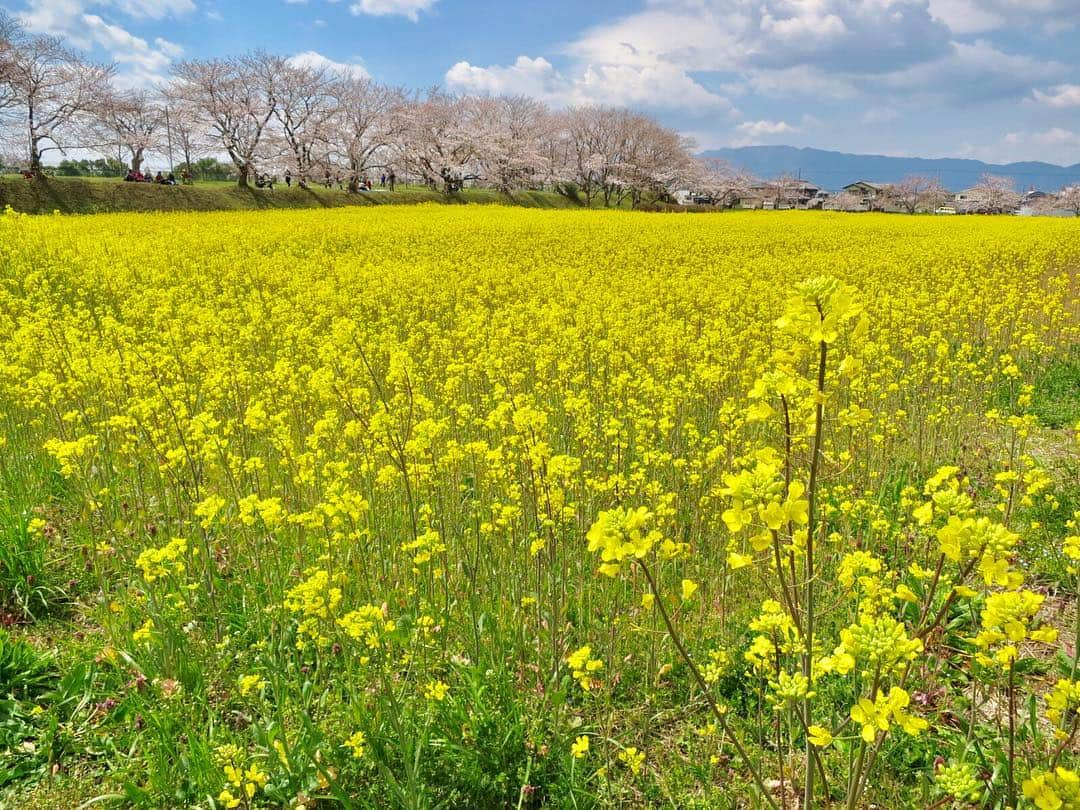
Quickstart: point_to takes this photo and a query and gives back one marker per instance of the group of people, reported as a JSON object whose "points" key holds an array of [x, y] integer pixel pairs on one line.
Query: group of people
{"points": [[355, 183], [159, 178]]}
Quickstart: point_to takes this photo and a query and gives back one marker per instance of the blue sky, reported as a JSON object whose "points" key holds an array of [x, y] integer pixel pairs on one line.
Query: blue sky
{"points": [[992, 79]]}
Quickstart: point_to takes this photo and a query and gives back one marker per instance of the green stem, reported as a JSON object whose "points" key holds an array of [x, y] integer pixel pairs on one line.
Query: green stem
{"points": [[717, 713], [811, 528], [1011, 798]]}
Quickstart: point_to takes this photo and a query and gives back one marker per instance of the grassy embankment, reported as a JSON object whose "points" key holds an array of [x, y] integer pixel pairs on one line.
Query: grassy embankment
{"points": [[83, 195]]}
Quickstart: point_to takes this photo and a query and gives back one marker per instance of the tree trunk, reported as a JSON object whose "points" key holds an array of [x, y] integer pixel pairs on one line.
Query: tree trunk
{"points": [[35, 157], [242, 176], [136, 160]]}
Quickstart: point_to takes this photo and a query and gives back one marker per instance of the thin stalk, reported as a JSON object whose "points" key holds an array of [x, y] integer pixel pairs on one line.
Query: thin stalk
{"points": [[720, 716], [1011, 797], [811, 528]]}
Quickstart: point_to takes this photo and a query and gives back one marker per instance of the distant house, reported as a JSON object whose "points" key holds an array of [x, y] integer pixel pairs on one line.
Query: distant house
{"points": [[969, 200], [1034, 202], [781, 194], [869, 193]]}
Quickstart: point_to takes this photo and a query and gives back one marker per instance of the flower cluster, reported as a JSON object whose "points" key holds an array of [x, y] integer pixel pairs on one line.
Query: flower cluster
{"points": [[156, 563], [584, 667]]}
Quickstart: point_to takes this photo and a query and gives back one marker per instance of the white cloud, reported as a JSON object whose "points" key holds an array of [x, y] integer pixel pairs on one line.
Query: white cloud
{"points": [[58, 17], [757, 129], [1054, 145], [753, 133], [656, 86], [879, 115], [801, 82], [382, 8], [62, 16], [314, 59], [536, 78], [964, 17], [153, 9], [1062, 96], [975, 72], [170, 49], [1054, 137], [139, 62], [723, 35]]}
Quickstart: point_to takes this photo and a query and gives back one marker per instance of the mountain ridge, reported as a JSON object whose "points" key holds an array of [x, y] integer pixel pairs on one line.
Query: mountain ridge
{"points": [[833, 170]]}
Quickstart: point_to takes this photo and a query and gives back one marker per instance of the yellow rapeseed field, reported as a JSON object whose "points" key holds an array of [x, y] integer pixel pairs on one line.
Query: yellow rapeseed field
{"points": [[489, 507]]}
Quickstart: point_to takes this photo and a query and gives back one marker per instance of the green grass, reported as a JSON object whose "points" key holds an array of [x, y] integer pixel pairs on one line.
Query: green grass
{"points": [[1057, 391], [86, 195]]}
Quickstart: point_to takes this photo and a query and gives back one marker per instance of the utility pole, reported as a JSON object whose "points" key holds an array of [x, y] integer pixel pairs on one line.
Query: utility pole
{"points": [[168, 136]]}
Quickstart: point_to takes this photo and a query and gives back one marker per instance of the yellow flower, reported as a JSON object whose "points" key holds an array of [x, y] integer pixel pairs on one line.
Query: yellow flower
{"points": [[356, 744], [819, 736], [736, 561], [689, 588], [584, 666], [436, 691], [1056, 790], [580, 747], [144, 633], [620, 535], [251, 683], [633, 759]]}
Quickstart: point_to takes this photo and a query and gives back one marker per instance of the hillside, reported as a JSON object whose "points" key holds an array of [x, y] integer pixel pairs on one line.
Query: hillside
{"points": [[833, 170], [77, 195]]}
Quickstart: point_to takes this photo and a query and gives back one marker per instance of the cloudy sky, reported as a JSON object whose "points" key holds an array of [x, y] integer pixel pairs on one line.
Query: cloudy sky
{"points": [[993, 79]]}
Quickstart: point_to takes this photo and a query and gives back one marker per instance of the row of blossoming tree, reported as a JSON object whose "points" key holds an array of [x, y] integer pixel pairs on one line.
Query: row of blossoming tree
{"points": [[270, 113]]}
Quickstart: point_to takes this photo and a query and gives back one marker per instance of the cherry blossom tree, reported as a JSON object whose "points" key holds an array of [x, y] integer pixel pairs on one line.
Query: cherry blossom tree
{"points": [[593, 141], [185, 130], [368, 120], [783, 190], [11, 34], [846, 201], [653, 160], [303, 109], [50, 94], [916, 193], [437, 140], [1068, 199], [719, 180], [236, 106], [133, 122], [511, 139], [995, 195]]}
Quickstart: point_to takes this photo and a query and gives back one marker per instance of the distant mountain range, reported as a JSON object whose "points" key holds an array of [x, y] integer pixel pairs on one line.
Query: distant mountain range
{"points": [[834, 170]]}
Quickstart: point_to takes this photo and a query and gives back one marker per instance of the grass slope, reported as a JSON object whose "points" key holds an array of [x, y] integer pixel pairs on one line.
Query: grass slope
{"points": [[77, 195]]}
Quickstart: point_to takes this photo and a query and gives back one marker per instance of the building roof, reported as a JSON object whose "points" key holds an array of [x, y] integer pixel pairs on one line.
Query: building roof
{"points": [[867, 184]]}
